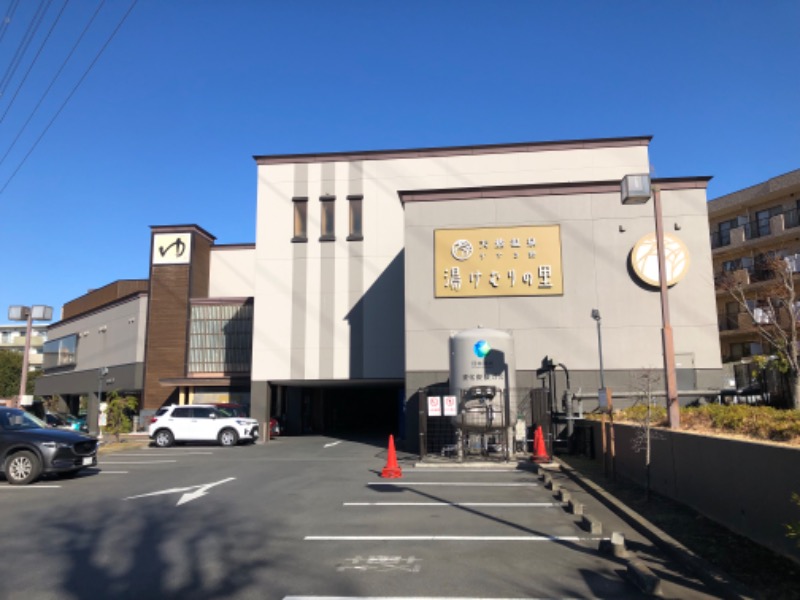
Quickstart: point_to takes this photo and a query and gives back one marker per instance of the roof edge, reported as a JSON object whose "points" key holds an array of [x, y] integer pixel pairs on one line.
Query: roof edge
{"points": [[272, 159]]}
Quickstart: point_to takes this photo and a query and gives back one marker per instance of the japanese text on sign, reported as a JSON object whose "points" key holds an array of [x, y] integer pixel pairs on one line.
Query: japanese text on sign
{"points": [[434, 406], [498, 261]]}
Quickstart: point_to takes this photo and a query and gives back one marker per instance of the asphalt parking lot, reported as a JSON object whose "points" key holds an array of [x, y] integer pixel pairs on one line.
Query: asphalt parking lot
{"points": [[309, 517]]}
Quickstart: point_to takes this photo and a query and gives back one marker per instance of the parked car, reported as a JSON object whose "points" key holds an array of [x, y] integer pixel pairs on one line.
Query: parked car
{"points": [[29, 448], [66, 421], [200, 423]]}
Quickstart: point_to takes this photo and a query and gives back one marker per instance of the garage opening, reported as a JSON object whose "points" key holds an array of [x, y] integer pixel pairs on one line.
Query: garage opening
{"points": [[339, 409]]}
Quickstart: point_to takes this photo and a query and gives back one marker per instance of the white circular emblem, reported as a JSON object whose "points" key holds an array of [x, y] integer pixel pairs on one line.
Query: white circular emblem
{"points": [[461, 249], [644, 259]]}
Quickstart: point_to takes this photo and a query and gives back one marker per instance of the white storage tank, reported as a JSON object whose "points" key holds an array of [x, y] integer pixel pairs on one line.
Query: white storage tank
{"points": [[483, 378]]}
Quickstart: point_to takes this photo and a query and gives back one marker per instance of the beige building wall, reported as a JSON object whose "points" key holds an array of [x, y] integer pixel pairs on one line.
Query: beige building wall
{"points": [[597, 235], [232, 272], [343, 297]]}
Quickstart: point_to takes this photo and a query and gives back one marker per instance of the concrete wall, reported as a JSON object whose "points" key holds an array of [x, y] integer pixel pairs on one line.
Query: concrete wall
{"points": [[745, 486], [597, 235], [106, 337], [112, 338]]}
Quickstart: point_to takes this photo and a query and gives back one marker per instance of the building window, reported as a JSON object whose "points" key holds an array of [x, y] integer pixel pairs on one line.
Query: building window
{"points": [[725, 231], [356, 233], [731, 265], [744, 350], [328, 223], [220, 338], [300, 219]]}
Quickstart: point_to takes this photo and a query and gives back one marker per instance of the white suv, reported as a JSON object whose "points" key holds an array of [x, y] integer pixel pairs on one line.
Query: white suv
{"points": [[199, 423]]}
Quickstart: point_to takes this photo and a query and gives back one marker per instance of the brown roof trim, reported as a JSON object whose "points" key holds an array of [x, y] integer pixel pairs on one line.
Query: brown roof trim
{"points": [[182, 229], [503, 191], [101, 308], [219, 301], [543, 189], [276, 159], [249, 246], [221, 381], [682, 183]]}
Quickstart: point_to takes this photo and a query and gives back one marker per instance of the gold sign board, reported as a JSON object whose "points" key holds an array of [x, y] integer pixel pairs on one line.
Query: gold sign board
{"points": [[498, 261]]}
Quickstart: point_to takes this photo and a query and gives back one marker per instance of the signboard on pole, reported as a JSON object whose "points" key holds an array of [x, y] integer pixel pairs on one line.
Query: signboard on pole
{"points": [[434, 406], [450, 406]]}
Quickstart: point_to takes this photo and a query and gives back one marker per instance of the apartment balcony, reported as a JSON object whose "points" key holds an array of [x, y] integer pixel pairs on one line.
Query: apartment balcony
{"points": [[739, 277], [754, 233]]}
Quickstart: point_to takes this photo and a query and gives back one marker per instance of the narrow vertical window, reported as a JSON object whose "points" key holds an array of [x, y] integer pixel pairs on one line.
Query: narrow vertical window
{"points": [[328, 229], [356, 233], [300, 219]]}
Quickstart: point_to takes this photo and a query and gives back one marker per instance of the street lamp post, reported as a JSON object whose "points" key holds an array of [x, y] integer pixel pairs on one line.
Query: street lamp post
{"points": [[29, 314], [636, 189]]}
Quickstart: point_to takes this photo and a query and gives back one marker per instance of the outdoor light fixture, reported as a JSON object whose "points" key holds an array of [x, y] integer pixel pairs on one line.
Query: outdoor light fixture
{"points": [[636, 189], [38, 312], [596, 317]]}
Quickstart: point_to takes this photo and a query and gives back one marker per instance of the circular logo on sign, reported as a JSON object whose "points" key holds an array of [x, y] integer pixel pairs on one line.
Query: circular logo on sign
{"points": [[482, 348], [461, 249], [644, 259]]}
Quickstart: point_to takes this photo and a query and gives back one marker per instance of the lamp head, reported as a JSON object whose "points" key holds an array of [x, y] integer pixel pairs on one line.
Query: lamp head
{"points": [[595, 314], [635, 189]]}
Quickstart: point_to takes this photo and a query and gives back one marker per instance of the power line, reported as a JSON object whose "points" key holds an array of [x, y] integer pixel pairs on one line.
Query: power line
{"points": [[7, 19], [35, 59], [52, 82], [33, 27], [69, 96]]}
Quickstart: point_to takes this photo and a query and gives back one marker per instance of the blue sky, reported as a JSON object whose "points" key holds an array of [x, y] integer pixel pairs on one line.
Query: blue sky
{"points": [[164, 126]]}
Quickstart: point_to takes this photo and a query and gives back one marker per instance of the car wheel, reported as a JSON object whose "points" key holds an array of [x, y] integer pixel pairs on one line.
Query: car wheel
{"points": [[164, 438], [228, 437], [22, 467]]}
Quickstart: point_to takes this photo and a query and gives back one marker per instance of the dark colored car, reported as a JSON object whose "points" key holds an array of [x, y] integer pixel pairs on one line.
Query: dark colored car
{"points": [[28, 448]]}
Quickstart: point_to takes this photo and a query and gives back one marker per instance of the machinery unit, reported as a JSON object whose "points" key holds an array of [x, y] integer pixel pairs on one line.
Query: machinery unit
{"points": [[483, 378]]}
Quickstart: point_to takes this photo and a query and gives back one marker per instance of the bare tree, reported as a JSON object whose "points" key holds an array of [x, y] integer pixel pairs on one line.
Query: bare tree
{"points": [[773, 310], [642, 439]]}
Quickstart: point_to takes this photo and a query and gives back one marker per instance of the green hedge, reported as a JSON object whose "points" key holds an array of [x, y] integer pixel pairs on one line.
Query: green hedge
{"points": [[757, 422]]}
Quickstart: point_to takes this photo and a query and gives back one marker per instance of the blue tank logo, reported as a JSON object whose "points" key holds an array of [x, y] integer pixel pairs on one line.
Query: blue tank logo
{"points": [[482, 348]]}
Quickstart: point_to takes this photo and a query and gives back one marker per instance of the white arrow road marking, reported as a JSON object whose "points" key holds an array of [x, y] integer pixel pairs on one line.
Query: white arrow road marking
{"points": [[193, 492], [332, 444]]}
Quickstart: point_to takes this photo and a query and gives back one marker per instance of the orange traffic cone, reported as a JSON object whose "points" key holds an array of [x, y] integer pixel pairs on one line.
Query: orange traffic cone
{"points": [[392, 470], [539, 451]]}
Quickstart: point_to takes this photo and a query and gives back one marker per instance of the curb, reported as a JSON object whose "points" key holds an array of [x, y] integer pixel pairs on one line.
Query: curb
{"points": [[719, 581]]}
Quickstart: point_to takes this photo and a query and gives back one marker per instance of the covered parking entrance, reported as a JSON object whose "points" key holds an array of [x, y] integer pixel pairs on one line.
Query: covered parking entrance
{"points": [[339, 407]]}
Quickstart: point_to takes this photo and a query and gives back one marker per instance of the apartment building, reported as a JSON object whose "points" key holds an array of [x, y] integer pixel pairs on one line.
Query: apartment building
{"points": [[747, 227], [12, 337]]}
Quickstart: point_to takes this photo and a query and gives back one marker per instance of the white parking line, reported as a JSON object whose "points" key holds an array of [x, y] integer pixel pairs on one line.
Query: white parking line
{"points": [[456, 504], [451, 483], [28, 487], [165, 454], [136, 462], [403, 598], [450, 538], [101, 472], [426, 470]]}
